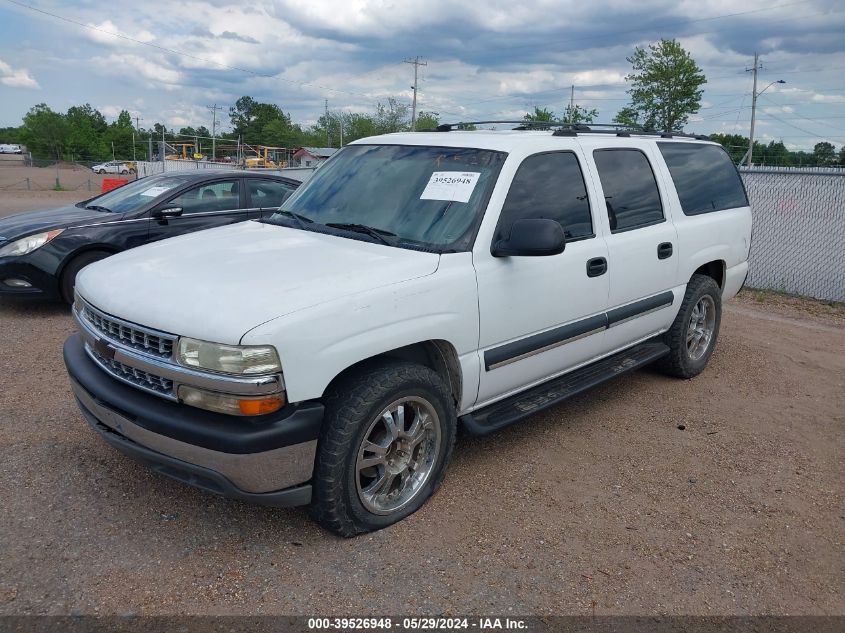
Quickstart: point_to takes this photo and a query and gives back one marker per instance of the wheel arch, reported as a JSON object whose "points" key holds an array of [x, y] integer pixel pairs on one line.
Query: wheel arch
{"points": [[436, 354], [714, 269]]}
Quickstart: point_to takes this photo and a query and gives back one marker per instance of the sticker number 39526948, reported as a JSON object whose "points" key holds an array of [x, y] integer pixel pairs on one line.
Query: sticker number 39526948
{"points": [[456, 186]]}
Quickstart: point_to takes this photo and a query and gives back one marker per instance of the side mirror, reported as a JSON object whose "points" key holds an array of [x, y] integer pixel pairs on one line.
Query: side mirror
{"points": [[167, 212], [531, 237]]}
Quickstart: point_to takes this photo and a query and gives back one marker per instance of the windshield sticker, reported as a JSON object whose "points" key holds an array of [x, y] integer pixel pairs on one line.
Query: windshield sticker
{"points": [[153, 192], [454, 186]]}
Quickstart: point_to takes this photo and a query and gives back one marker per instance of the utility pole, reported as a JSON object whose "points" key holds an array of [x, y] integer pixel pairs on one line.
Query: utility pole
{"points": [[214, 108], [571, 104], [754, 95], [326, 119], [417, 63], [753, 70]]}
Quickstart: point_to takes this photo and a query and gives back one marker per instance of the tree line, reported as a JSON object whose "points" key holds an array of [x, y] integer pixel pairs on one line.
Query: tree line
{"points": [[664, 85], [83, 134]]}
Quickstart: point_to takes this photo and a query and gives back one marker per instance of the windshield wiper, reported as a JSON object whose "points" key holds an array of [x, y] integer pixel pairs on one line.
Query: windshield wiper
{"points": [[380, 234], [300, 219], [98, 207]]}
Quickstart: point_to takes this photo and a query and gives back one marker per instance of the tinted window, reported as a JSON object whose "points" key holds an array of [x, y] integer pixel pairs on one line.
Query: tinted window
{"points": [[267, 194], [549, 186], [214, 196], [630, 191], [704, 176]]}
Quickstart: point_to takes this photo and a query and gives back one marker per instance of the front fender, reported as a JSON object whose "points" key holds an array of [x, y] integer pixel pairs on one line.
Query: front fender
{"points": [[318, 343]]}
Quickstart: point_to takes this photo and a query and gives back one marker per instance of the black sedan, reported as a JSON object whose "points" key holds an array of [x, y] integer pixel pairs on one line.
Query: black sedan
{"points": [[41, 252]]}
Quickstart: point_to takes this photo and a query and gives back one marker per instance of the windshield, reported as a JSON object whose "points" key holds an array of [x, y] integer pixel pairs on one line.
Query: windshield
{"points": [[429, 196], [135, 194]]}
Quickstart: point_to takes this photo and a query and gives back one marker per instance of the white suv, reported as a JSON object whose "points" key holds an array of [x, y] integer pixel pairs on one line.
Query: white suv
{"points": [[416, 283]]}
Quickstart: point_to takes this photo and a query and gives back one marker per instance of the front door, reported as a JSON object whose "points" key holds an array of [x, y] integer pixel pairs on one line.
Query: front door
{"points": [[542, 316], [203, 206]]}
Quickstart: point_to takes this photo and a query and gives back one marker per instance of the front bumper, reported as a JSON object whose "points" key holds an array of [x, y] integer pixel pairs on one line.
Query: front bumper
{"points": [[268, 459], [43, 282]]}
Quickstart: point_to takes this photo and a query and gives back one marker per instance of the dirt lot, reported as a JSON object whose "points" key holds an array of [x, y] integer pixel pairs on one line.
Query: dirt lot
{"points": [[603, 504], [79, 182]]}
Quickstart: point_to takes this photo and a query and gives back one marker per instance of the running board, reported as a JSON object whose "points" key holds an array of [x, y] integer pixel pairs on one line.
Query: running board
{"points": [[513, 409]]}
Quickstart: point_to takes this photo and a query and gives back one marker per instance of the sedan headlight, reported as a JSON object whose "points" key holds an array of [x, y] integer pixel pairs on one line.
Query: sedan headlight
{"points": [[28, 244], [229, 359]]}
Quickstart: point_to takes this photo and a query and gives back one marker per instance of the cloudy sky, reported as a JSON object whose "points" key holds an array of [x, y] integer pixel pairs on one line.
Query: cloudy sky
{"points": [[166, 61]]}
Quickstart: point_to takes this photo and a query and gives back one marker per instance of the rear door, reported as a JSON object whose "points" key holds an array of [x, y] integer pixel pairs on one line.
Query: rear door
{"points": [[204, 206], [266, 195], [642, 243]]}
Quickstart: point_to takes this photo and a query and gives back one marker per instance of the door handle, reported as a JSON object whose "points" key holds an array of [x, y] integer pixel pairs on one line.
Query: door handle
{"points": [[596, 267], [664, 250]]}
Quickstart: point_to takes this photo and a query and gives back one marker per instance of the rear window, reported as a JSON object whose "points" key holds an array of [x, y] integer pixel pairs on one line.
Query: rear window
{"points": [[704, 176]]}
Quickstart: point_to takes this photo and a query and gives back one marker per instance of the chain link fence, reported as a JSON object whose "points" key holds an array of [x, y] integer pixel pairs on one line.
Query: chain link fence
{"points": [[798, 243]]}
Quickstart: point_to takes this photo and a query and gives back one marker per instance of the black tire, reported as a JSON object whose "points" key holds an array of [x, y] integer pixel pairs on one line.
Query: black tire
{"points": [[101, 171], [124, 172], [351, 406], [71, 270], [680, 362]]}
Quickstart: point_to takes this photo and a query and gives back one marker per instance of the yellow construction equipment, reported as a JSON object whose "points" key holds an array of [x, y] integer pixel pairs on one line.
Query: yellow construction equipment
{"points": [[186, 152], [266, 158]]}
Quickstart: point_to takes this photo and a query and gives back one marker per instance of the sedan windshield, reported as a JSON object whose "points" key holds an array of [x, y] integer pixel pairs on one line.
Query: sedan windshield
{"points": [[135, 194], [409, 195]]}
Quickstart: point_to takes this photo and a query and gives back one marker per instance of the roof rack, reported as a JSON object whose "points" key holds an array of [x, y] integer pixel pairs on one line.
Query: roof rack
{"points": [[563, 128]]}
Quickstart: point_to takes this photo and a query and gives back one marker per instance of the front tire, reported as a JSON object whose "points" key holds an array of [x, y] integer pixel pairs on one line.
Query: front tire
{"points": [[68, 279], [385, 443], [692, 337]]}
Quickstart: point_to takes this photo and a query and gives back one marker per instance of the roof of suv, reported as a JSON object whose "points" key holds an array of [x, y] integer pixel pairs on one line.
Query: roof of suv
{"points": [[513, 140]]}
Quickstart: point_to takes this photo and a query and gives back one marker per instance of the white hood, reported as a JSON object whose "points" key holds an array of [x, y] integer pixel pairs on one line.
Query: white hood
{"points": [[217, 284]]}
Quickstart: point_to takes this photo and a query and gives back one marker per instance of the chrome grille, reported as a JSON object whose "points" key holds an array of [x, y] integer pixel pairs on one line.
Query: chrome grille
{"points": [[135, 376], [136, 337]]}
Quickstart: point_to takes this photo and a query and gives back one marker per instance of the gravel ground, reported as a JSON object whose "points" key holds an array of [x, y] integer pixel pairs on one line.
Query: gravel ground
{"points": [[600, 505]]}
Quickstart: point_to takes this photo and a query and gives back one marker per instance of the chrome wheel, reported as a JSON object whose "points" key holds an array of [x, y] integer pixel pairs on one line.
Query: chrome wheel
{"points": [[700, 328], [397, 455]]}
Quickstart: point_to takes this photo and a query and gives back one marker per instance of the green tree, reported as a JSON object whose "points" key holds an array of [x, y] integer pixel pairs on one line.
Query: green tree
{"points": [[357, 126], [119, 136], [427, 121], [539, 114], [628, 116], [824, 153], [392, 117], [85, 136], [44, 132], [665, 85], [579, 114], [841, 153]]}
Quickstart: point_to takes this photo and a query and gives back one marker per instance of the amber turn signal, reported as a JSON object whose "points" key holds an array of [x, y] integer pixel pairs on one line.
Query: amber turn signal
{"points": [[261, 407]]}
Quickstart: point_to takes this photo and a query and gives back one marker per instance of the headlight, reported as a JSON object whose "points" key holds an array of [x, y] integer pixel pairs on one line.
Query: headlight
{"points": [[28, 244], [228, 359]]}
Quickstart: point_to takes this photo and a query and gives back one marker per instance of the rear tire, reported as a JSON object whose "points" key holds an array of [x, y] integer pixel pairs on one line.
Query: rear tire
{"points": [[68, 279], [692, 337], [386, 440]]}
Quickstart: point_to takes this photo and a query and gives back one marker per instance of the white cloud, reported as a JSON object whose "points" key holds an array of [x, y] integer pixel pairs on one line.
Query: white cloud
{"points": [[107, 33], [16, 77]]}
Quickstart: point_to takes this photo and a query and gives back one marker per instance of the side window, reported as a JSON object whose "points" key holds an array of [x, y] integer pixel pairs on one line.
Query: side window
{"points": [[704, 176], [267, 194], [630, 190], [549, 186], [215, 196]]}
